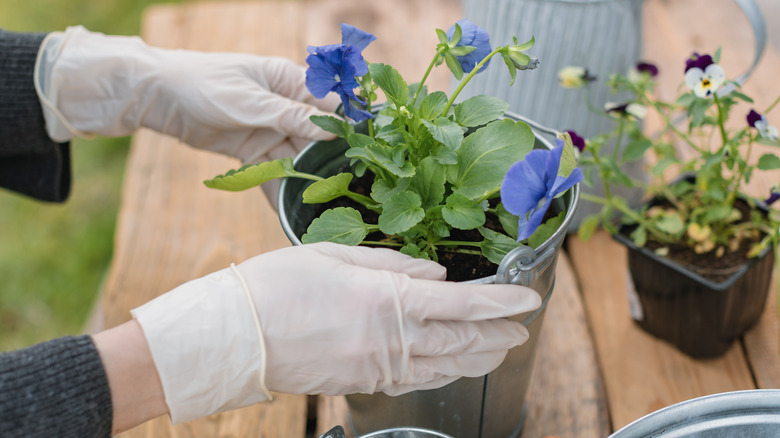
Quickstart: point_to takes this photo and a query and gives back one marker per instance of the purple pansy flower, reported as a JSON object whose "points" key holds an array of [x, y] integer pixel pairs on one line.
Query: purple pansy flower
{"points": [[335, 68], [472, 35], [774, 195], [758, 121], [530, 186], [698, 61], [646, 67], [577, 141], [702, 75]]}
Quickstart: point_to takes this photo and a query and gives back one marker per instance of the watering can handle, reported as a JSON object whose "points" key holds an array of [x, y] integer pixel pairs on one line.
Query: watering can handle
{"points": [[755, 17]]}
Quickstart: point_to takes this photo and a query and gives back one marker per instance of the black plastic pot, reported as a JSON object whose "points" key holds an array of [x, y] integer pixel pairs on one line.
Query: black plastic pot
{"points": [[702, 318]]}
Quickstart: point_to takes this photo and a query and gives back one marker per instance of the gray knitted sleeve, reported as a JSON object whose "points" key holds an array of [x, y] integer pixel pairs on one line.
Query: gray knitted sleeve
{"points": [[54, 389], [30, 162]]}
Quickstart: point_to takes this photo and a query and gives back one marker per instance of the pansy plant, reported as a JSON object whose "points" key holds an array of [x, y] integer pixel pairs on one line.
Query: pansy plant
{"points": [[434, 164], [699, 211]]}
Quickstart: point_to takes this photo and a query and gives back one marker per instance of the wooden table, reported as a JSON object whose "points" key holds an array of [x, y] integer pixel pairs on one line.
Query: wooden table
{"points": [[595, 370]]}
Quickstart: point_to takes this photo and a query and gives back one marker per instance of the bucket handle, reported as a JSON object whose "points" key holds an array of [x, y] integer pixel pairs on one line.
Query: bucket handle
{"points": [[522, 266]]}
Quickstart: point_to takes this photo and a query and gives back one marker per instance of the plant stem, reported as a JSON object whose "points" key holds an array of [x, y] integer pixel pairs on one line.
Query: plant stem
{"points": [[674, 129], [467, 79], [630, 213], [456, 243], [773, 105], [381, 243], [619, 140], [425, 76], [365, 201]]}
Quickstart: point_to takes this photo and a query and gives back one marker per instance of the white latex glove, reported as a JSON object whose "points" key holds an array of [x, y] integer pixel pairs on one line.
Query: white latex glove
{"points": [[250, 107], [325, 319]]}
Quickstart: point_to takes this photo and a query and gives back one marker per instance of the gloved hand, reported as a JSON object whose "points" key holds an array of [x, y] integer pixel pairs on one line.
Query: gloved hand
{"points": [[325, 319], [250, 107]]}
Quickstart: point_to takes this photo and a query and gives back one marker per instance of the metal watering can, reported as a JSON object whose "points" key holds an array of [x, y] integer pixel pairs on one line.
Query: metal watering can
{"points": [[604, 36]]}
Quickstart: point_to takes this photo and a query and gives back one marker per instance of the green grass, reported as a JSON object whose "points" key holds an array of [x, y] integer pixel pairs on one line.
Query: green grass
{"points": [[53, 257]]}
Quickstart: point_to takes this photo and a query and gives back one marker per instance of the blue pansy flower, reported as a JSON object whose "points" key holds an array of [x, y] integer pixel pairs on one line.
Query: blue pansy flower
{"points": [[472, 35], [335, 68], [530, 186]]}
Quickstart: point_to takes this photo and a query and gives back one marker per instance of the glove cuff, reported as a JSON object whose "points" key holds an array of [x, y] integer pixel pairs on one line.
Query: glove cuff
{"points": [[90, 83], [204, 342]]}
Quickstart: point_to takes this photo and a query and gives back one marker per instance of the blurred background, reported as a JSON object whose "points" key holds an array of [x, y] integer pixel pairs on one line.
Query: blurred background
{"points": [[53, 257]]}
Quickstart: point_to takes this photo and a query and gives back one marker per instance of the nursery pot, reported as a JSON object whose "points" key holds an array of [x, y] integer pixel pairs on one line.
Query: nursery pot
{"points": [[483, 407], [751, 413], [700, 317]]}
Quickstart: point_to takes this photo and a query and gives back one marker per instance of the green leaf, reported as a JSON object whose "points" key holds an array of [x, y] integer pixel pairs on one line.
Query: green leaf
{"points": [[636, 149], [716, 213], [737, 95], [588, 226], [340, 225], [446, 131], [510, 65], [400, 213], [444, 155], [333, 125], [546, 230], [463, 213], [252, 175], [670, 223], [508, 221], [413, 250], [382, 189], [639, 236], [391, 82], [496, 245], [428, 182], [568, 157], [769, 162], [478, 110], [486, 155], [442, 36], [382, 156], [453, 65], [327, 189], [432, 106]]}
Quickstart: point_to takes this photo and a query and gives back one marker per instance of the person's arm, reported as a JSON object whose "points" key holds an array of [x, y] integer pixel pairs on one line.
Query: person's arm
{"points": [[136, 391], [31, 163], [56, 388]]}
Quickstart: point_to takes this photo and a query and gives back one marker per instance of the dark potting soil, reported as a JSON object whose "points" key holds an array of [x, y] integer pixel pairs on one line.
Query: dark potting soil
{"points": [[708, 265], [460, 267]]}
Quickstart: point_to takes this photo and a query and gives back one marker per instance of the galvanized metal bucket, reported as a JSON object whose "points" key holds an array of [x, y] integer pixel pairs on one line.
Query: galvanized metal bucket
{"points": [[489, 406], [752, 413], [406, 432], [604, 36]]}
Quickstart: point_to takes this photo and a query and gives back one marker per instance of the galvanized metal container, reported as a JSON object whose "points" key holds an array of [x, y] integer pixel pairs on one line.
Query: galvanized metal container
{"points": [[406, 432], [484, 407], [604, 36], [738, 414]]}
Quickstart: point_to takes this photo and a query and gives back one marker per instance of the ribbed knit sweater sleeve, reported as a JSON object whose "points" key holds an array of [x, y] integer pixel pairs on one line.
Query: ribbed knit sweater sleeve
{"points": [[54, 389], [30, 162]]}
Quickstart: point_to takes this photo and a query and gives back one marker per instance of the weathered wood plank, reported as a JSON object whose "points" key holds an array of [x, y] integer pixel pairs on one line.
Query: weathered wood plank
{"points": [[566, 397], [641, 373]]}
